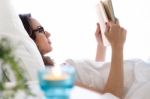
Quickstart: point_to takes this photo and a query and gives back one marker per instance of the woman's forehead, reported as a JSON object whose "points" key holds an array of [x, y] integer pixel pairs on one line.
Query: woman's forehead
{"points": [[34, 23]]}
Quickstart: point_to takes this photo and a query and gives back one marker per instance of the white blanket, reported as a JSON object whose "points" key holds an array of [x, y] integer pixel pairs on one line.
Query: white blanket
{"points": [[139, 91], [136, 76]]}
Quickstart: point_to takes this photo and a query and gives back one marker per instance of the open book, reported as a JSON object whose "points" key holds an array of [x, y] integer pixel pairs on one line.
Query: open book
{"points": [[105, 13]]}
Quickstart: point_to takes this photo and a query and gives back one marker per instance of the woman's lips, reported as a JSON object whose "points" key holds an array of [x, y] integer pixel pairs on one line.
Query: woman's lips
{"points": [[49, 41]]}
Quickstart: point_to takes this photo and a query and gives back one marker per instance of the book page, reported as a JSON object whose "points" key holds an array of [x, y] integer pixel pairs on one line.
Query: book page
{"points": [[109, 9]]}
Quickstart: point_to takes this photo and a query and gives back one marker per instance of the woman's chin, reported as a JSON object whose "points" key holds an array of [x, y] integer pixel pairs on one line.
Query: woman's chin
{"points": [[46, 51], [51, 49]]}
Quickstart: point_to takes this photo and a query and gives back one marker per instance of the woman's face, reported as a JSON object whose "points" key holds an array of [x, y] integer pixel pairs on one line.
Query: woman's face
{"points": [[41, 37]]}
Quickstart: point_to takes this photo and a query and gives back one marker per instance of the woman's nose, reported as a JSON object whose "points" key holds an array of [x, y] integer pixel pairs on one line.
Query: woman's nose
{"points": [[47, 34]]}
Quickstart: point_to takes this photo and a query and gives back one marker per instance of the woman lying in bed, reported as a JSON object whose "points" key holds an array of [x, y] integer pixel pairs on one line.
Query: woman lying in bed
{"points": [[115, 34], [123, 79]]}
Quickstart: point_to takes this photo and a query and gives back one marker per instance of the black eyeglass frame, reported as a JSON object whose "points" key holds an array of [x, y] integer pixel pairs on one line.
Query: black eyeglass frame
{"points": [[39, 29]]}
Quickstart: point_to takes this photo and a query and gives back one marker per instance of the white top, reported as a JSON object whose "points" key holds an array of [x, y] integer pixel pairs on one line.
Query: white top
{"points": [[136, 76]]}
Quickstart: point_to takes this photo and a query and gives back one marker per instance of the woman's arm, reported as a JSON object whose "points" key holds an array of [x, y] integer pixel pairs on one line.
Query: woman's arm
{"points": [[101, 49], [116, 36]]}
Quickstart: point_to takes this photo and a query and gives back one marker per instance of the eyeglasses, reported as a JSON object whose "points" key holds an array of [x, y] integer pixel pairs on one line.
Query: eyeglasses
{"points": [[39, 29]]}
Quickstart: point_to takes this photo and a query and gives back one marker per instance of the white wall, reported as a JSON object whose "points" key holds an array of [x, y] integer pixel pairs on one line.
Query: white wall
{"points": [[72, 24]]}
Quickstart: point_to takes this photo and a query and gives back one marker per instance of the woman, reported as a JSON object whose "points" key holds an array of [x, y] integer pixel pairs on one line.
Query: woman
{"points": [[116, 36], [128, 79], [38, 35]]}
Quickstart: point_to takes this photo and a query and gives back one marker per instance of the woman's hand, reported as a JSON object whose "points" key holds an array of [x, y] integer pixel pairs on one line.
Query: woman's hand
{"points": [[115, 34], [98, 35], [101, 49]]}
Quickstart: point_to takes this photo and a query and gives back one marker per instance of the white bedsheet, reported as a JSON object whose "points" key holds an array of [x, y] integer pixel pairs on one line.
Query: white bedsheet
{"points": [[136, 76], [139, 91], [76, 93]]}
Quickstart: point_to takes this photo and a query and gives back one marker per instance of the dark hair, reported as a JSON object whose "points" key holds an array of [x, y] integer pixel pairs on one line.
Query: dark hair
{"points": [[25, 18]]}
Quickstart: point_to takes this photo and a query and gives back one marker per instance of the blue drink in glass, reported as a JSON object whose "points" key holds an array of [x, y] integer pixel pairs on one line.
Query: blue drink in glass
{"points": [[60, 88]]}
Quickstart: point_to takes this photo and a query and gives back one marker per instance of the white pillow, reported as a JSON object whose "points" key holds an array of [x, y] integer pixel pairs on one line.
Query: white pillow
{"points": [[9, 20], [12, 28]]}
